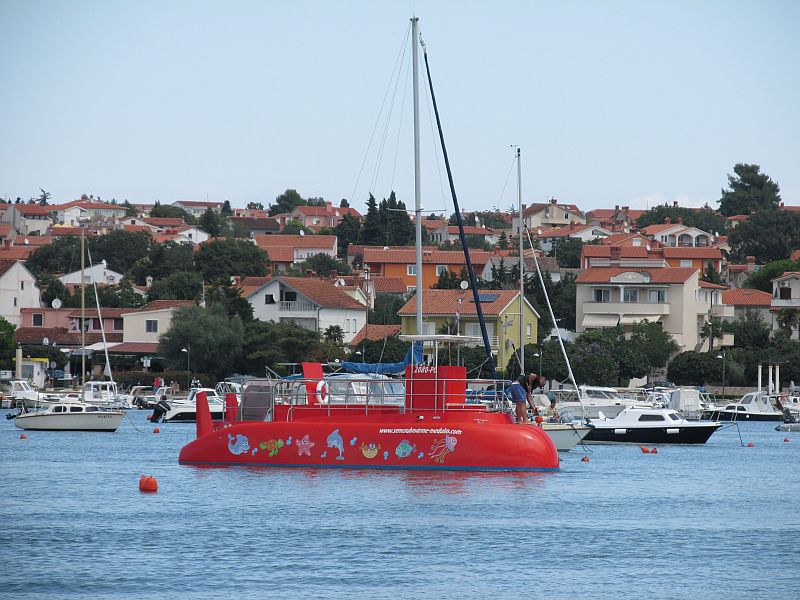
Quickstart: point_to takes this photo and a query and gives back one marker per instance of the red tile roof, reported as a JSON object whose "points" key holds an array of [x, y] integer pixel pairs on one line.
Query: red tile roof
{"points": [[5, 229], [137, 228], [389, 285], [61, 230], [659, 227], [746, 297], [445, 302], [6, 264], [656, 275], [321, 292], [469, 230], [712, 286], [565, 231], [16, 252], [61, 336], [604, 251], [108, 313], [164, 221], [787, 275], [739, 218], [161, 305], [407, 255], [692, 252], [620, 239], [536, 208], [33, 209], [329, 211], [375, 333]]}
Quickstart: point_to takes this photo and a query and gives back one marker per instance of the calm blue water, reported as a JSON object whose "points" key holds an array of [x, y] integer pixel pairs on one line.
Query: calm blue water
{"points": [[714, 521]]}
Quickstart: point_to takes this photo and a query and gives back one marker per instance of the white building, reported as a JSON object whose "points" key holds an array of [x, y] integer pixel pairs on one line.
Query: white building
{"points": [[28, 219], [786, 298], [146, 324], [99, 273], [18, 290], [309, 302]]}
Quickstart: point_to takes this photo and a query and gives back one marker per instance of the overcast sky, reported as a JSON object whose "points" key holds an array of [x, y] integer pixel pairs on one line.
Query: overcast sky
{"points": [[615, 102]]}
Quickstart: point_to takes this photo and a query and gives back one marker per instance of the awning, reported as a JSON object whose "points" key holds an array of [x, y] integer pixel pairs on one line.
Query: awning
{"points": [[599, 321], [631, 319]]}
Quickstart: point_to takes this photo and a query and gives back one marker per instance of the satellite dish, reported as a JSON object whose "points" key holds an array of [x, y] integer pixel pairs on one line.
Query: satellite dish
{"points": [[647, 247], [464, 285], [45, 341], [56, 303], [302, 232], [27, 241]]}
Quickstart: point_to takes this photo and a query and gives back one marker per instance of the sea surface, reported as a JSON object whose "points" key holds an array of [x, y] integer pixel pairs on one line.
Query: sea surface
{"points": [[713, 521]]}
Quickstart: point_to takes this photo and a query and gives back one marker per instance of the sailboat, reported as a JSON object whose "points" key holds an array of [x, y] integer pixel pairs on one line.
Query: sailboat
{"points": [[433, 428], [69, 414]]}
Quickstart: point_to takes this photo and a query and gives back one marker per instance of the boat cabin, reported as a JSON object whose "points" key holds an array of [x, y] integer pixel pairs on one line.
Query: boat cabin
{"points": [[752, 402]]}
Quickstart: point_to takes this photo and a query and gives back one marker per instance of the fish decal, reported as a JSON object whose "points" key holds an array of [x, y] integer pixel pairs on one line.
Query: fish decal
{"points": [[304, 446], [335, 441], [404, 449], [238, 444]]}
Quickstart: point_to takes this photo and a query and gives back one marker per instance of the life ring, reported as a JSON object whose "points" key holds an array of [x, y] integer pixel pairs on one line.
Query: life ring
{"points": [[322, 391]]}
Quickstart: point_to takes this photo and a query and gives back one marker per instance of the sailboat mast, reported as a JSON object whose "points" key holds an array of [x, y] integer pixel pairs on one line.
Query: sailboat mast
{"points": [[521, 271], [417, 182], [83, 312]]}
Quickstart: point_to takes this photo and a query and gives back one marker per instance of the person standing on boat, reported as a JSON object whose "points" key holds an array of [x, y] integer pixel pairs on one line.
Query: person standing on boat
{"points": [[518, 391]]}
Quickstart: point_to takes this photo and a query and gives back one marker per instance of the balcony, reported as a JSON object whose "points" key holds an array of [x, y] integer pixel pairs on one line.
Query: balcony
{"points": [[626, 308], [722, 311], [296, 306]]}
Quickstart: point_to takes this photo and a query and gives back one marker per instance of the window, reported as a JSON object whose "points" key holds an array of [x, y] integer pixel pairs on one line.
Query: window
{"points": [[686, 262], [269, 299], [22, 285], [289, 296], [151, 326], [637, 242], [411, 288], [96, 324], [440, 269], [785, 293], [658, 296], [528, 330], [601, 295], [630, 295], [411, 269], [15, 300], [118, 324], [651, 418], [38, 319]]}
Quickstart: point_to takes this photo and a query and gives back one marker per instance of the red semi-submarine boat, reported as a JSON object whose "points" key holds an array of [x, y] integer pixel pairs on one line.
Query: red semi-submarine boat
{"points": [[434, 428]]}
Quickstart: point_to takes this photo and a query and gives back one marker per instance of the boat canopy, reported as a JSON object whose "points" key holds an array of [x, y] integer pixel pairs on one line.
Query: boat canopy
{"points": [[413, 356]]}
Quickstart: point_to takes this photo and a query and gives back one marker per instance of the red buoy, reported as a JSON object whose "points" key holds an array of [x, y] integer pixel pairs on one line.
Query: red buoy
{"points": [[654, 451], [585, 459], [645, 449], [156, 430], [148, 484], [149, 417], [751, 445], [539, 419], [785, 439], [24, 436]]}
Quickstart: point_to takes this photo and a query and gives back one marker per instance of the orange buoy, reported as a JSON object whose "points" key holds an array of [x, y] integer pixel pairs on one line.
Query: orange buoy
{"points": [[785, 439], [585, 459], [751, 445], [539, 419], [24, 436], [148, 484], [156, 430], [654, 451], [149, 417], [645, 449]]}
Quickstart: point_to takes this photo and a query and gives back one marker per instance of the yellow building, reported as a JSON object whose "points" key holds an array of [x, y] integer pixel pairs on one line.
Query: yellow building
{"points": [[500, 309]]}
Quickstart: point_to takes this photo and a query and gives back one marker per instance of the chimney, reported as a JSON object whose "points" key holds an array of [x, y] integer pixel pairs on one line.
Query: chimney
{"points": [[148, 281], [329, 204], [667, 220], [616, 208], [626, 208], [524, 206]]}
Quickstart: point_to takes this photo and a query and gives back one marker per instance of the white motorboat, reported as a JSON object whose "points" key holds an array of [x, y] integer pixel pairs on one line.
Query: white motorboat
{"points": [[647, 425], [690, 402], [22, 394], [594, 400], [753, 406], [184, 410], [566, 436], [105, 394], [69, 416]]}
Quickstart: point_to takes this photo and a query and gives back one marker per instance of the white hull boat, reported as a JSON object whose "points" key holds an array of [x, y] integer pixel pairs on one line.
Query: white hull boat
{"points": [[185, 410], [566, 436], [753, 406], [69, 416]]}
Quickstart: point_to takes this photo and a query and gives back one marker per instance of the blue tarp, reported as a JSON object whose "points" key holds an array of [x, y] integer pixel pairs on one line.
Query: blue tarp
{"points": [[387, 368]]}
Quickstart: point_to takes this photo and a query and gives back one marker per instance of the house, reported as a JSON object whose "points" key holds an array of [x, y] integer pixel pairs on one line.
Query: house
{"points": [[28, 219], [255, 225], [71, 213], [309, 302], [747, 299], [375, 333], [395, 286], [677, 234], [450, 233], [401, 262], [317, 217], [651, 256], [550, 214], [674, 297], [196, 208], [99, 273], [455, 311], [287, 250], [552, 236], [18, 290], [161, 223], [785, 305], [631, 238], [146, 324], [736, 274], [618, 219]]}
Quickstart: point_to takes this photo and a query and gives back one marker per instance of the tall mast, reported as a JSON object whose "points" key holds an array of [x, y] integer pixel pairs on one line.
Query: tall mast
{"points": [[417, 182], [521, 270], [83, 312]]}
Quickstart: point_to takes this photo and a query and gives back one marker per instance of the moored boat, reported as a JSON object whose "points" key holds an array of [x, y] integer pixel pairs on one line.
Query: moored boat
{"points": [[647, 425], [753, 406], [69, 416], [184, 410]]}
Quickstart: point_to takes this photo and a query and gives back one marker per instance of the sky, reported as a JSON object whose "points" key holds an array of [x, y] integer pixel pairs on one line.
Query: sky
{"points": [[611, 102]]}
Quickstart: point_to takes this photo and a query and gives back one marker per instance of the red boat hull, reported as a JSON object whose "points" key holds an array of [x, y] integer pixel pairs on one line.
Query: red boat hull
{"points": [[472, 440]]}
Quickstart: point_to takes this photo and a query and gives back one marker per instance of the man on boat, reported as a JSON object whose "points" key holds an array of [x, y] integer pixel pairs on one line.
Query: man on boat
{"points": [[520, 392]]}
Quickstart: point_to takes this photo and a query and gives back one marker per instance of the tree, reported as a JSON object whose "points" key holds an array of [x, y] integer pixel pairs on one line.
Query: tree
{"points": [[769, 235], [449, 280], [593, 364], [563, 298], [347, 232], [120, 249], [344, 203], [750, 191], [628, 362], [216, 340], [386, 309], [226, 209], [322, 264], [372, 230], [171, 212], [180, 285], [706, 218], [568, 252], [7, 345], [295, 227], [502, 242], [388, 350], [652, 342], [787, 319], [749, 330], [229, 296], [212, 222], [51, 288], [44, 197], [334, 334], [286, 202], [711, 276], [694, 368], [163, 260], [760, 280], [62, 255], [255, 206], [267, 344], [130, 210], [218, 260]]}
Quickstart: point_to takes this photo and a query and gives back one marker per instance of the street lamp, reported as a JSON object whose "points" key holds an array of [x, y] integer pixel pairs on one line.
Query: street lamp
{"points": [[722, 356], [188, 350], [539, 354]]}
